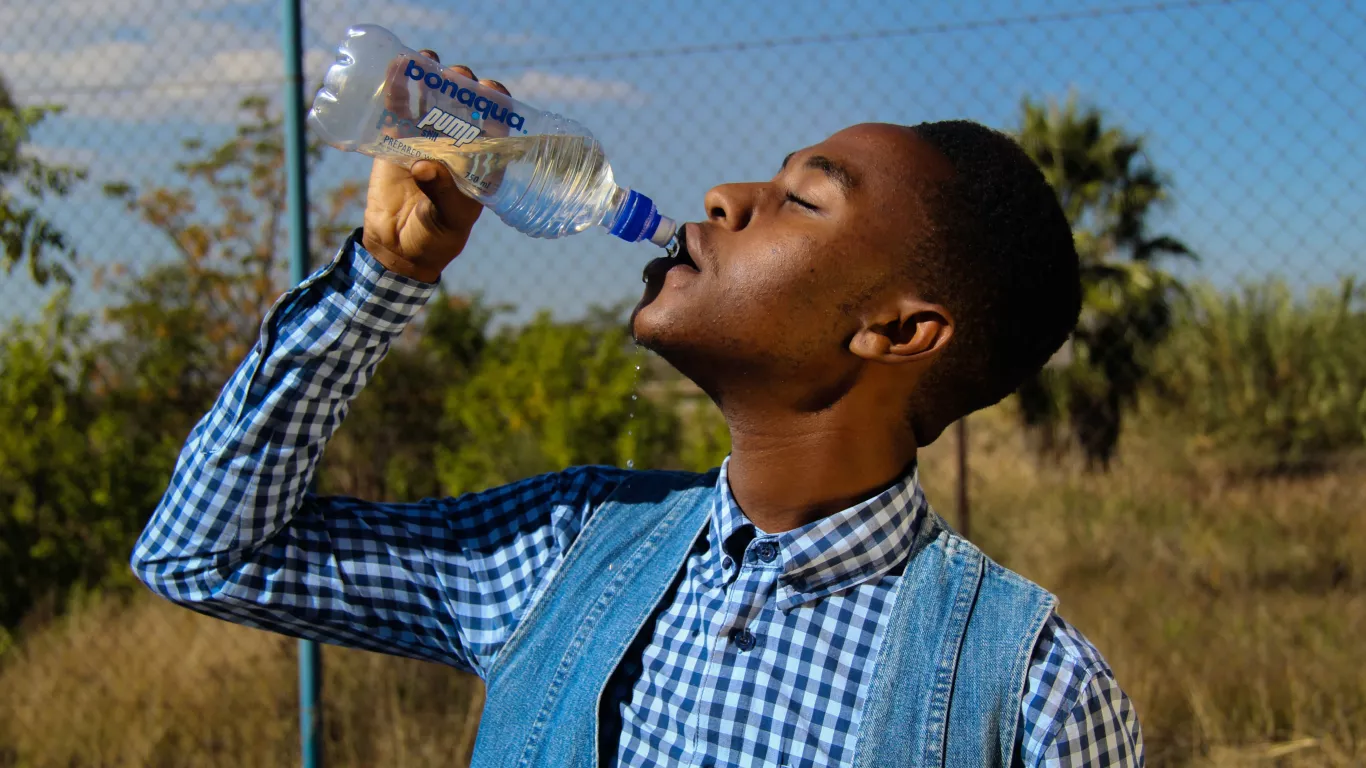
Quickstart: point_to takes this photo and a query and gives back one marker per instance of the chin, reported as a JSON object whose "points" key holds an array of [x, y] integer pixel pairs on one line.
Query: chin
{"points": [[658, 330], [652, 322], [649, 330]]}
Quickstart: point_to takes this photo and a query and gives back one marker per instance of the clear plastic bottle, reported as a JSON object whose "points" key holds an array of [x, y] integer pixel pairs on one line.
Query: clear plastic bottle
{"points": [[541, 173]]}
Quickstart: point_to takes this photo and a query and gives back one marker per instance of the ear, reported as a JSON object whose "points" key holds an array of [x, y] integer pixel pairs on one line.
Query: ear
{"points": [[907, 331]]}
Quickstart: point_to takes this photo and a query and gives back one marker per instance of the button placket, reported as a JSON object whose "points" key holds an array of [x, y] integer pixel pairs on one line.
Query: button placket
{"points": [[744, 640], [766, 551]]}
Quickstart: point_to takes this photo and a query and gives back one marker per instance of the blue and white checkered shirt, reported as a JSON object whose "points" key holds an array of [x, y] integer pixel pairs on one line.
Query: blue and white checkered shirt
{"points": [[760, 655]]}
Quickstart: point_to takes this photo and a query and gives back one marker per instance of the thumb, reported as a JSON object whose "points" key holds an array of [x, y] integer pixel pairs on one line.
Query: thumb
{"points": [[453, 209]]}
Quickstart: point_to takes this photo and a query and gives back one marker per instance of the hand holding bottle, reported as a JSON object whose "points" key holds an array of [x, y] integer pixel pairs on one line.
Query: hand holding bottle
{"points": [[416, 219], [541, 173]]}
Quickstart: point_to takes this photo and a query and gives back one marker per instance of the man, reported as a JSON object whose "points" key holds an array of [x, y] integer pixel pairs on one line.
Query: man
{"points": [[800, 606]]}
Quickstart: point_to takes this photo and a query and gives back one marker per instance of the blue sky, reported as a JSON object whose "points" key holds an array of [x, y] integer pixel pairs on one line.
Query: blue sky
{"points": [[1254, 109]]}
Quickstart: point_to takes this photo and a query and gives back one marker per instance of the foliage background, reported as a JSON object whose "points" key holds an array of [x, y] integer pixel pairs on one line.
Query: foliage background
{"points": [[1188, 474]]}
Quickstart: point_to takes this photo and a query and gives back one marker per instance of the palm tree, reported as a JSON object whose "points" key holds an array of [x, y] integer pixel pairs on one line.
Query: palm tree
{"points": [[1107, 188]]}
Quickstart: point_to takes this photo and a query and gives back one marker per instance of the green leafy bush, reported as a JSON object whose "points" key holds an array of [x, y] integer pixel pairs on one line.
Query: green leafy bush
{"points": [[1275, 378]]}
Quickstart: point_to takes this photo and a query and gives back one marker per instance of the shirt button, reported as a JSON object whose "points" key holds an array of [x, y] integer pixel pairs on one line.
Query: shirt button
{"points": [[744, 640], [725, 562], [766, 551]]}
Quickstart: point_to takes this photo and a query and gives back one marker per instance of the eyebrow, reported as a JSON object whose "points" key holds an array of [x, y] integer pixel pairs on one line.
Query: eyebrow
{"points": [[841, 175]]}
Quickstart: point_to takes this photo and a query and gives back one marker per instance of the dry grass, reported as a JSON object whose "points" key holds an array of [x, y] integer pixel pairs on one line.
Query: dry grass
{"points": [[1233, 611], [149, 684]]}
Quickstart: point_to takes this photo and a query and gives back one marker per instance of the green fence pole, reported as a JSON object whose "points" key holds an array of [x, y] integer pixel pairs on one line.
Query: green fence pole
{"points": [[295, 145], [310, 655]]}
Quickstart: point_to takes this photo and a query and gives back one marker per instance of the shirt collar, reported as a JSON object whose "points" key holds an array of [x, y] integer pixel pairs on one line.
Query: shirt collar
{"points": [[836, 552]]}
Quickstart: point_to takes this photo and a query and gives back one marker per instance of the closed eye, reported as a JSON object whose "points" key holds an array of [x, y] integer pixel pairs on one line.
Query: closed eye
{"points": [[793, 198]]}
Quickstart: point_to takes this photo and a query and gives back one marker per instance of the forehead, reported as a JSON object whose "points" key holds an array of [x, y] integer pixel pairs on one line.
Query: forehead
{"points": [[887, 157]]}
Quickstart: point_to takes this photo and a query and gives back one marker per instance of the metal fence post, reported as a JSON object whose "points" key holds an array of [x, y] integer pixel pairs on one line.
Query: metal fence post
{"points": [[310, 655]]}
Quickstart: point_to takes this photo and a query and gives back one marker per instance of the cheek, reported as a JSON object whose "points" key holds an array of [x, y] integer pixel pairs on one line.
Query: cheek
{"points": [[788, 274]]}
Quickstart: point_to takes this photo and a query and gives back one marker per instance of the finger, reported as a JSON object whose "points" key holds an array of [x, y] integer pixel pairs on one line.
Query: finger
{"points": [[496, 129], [396, 95], [451, 205], [495, 85], [463, 71], [460, 70], [423, 96]]}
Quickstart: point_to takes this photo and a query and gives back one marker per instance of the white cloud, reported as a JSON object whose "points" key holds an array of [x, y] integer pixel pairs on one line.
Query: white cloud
{"points": [[168, 65], [164, 77], [100, 164], [52, 15], [434, 25], [79, 157], [386, 13], [533, 86]]}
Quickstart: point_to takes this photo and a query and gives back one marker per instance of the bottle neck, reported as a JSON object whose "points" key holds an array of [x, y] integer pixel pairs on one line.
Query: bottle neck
{"points": [[636, 219]]}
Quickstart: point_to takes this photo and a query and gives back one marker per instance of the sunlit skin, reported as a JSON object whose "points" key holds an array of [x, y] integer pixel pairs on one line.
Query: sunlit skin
{"points": [[799, 323], [799, 320]]}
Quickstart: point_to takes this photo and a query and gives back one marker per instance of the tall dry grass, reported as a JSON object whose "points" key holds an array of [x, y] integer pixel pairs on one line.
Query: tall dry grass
{"points": [[145, 683], [1233, 610]]}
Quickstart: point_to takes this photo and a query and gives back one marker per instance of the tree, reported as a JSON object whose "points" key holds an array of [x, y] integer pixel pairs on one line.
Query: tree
{"points": [[27, 236], [186, 323], [1274, 381], [551, 395], [76, 478], [389, 444], [90, 428], [1108, 189]]}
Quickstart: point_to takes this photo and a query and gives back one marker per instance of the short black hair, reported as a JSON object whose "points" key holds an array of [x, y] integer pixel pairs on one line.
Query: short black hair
{"points": [[1000, 257]]}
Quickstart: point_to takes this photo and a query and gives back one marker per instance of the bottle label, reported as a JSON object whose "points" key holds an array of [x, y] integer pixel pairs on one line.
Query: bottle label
{"points": [[481, 107], [441, 121]]}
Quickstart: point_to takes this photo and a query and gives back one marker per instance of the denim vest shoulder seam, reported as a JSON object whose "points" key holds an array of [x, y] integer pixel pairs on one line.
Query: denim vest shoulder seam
{"points": [[680, 488], [1024, 648], [594, 521], [969, 586], [625, 642], [1020, 672], [958, 555]]}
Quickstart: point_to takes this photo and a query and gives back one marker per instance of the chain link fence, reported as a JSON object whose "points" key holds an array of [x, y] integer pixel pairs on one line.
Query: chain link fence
{"points": [[1188, 476]]}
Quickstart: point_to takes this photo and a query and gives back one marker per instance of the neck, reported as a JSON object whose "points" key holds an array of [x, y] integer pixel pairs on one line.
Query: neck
{"points": [[787, 470]]}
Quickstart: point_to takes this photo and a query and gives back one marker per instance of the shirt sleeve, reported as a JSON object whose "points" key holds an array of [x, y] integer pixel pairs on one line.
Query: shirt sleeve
{"points": [[237, 535], [1073, 712]]}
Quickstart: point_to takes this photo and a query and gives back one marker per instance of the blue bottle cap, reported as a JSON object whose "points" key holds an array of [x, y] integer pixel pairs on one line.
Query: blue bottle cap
{"points": [[638, 219]]}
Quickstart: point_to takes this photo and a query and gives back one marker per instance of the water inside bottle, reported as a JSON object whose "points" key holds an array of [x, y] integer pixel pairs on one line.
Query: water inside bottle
{"points": [[500, 171]]}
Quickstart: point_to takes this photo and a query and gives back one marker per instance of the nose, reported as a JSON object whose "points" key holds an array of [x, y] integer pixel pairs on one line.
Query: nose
{"points": [[732, 205]]}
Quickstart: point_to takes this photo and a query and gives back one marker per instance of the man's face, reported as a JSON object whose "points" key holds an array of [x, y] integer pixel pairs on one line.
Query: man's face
{"points": [[786, 268]]}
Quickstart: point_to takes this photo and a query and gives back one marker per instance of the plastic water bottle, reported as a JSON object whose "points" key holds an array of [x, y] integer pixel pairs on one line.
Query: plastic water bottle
{"points": [[541, 173]]}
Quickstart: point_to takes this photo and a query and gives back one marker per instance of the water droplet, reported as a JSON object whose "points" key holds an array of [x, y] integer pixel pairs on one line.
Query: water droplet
{"points": [[637, 367], [630, 463], [633, 397]]}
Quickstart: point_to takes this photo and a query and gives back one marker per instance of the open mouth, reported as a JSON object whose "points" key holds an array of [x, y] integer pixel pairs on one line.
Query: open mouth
{"points": [[680, 258]]}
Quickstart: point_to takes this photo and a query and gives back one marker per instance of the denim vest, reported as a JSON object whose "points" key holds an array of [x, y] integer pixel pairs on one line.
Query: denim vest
{"points": [[949, 674]]}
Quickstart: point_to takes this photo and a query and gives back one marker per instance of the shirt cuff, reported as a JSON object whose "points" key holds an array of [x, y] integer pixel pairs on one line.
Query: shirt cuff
{"points": [[373, 296]]}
